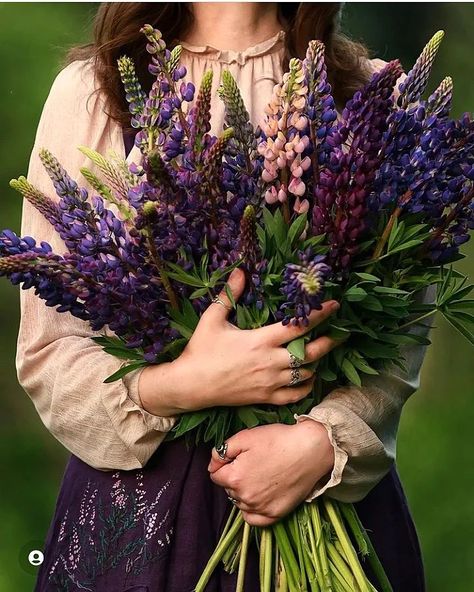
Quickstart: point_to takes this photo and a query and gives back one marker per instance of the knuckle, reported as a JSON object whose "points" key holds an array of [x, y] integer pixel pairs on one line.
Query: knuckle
{"points": [[233, 482]]}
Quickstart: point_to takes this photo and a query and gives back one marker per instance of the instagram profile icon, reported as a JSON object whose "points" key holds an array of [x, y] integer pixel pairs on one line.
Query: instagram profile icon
{"points": [[32, 557]]}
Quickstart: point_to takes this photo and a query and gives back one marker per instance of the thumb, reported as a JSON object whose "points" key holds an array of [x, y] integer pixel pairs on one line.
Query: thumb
{"points": [[236, 285]]}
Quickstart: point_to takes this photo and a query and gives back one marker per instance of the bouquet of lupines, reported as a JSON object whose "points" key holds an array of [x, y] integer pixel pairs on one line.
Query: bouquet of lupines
{"points": [[368, 207]]}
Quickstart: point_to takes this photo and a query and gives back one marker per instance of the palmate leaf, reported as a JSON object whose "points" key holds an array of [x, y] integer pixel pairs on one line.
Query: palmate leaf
{"points": [[460, 325], [453, 288]]}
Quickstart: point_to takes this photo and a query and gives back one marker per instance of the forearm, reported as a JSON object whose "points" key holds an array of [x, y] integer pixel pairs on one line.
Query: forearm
{"points": [[157, 391]]}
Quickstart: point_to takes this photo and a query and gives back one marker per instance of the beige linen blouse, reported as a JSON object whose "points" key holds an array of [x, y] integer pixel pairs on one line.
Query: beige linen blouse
{"points": [[62, 370]]}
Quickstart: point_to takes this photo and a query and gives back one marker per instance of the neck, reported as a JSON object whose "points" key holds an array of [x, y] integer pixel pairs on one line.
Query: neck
{"points": [[232, 25]]}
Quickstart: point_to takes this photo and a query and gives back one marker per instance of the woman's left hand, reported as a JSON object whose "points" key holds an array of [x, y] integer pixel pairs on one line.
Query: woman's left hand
{"points": [[271, 469]]}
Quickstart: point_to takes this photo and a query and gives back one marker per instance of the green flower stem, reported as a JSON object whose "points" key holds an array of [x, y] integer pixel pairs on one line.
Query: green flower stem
{"points": [[287, 555], [232, 552], [303, 527], [295, 535], [348, 512], [339, 549], [262, 557], [282, 583], [229, 523], [320, 543], [233, 564], [218, 553], [359, 532], [266, 542], [349, 551], [314, 550], [161, 269], [339, 582], [243, 558], [232, 549], [379, 247], [338, 564]]}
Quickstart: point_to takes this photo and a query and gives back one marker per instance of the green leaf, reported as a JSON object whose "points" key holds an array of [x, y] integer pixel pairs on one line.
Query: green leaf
{"points": [[230, 296], [355, 294], [125, 370], [388, 290], [297, 347], [408, 245], [182, 329], [371, 303], [247, 416], [396, 228], [338, 333], [362, 365], [296, 229], [189, 421], [186, 278], [377, 350], [281, 228], [269, 222], [459, 326], [350, 372], [314, 241], [198, 293], [367, 277], [327, 375]]}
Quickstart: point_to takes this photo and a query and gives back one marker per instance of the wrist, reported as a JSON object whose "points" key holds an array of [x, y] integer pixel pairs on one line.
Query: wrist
{"points": [[156, 390], [317, 436]]}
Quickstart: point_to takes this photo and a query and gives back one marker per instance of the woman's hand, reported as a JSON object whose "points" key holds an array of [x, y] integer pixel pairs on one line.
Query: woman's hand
{"points": [[223, 365], [271, 469]]}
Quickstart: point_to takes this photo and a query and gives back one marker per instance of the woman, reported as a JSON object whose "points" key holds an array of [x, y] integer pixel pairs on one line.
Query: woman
{"points": [[135, 513]]}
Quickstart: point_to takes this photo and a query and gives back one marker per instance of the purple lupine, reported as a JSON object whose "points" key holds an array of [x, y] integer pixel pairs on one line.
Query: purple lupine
{"points": [[341, 198], [303, 287]]}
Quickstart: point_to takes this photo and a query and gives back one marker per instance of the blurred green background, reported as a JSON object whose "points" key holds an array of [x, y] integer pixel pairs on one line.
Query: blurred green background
{"points": [[434, 445]]}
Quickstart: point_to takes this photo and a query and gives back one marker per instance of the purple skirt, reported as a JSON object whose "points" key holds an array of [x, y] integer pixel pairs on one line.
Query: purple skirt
{"points": [[154, 529]]}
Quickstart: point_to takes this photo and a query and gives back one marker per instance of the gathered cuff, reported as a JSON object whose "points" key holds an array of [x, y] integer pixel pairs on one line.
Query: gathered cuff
{"points": [[340, 456]]}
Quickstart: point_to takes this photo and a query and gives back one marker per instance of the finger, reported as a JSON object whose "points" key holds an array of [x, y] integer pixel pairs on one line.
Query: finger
{"points": [[285, 375], [278, 333], [217, 462], [224, 476], [257, 519], [292, 394], [236, 284], [235, 446], [238, 502], [319, 347]]}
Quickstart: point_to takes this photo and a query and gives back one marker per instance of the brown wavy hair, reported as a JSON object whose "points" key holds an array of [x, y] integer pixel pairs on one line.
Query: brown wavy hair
{"points": [[116, 32]]}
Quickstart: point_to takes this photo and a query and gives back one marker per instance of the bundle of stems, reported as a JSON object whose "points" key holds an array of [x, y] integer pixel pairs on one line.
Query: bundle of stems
{"points": [[320, 547]]}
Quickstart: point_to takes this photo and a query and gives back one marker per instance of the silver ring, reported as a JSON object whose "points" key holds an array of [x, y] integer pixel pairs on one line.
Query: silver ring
{"points": [[222, 450], [295, 376], [217, 300], [294, 361]]}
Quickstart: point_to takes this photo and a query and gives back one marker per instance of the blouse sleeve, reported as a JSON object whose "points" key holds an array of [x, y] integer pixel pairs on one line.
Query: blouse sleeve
{"points": [[362, 423], [58, 365]]}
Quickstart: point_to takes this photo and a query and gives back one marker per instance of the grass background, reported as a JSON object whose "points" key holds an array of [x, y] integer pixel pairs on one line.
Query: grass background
{"points": [[434, 444]]}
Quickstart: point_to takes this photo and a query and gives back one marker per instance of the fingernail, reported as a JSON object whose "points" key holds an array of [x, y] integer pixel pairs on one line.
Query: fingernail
{"points": [[335, 306]]}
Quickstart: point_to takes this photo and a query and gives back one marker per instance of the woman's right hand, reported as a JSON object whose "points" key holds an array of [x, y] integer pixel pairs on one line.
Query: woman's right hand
{"points": [[223, 365]]}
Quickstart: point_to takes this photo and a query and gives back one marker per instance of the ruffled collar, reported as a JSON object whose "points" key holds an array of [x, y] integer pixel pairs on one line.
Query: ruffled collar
{"points": [[228, 56]]}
